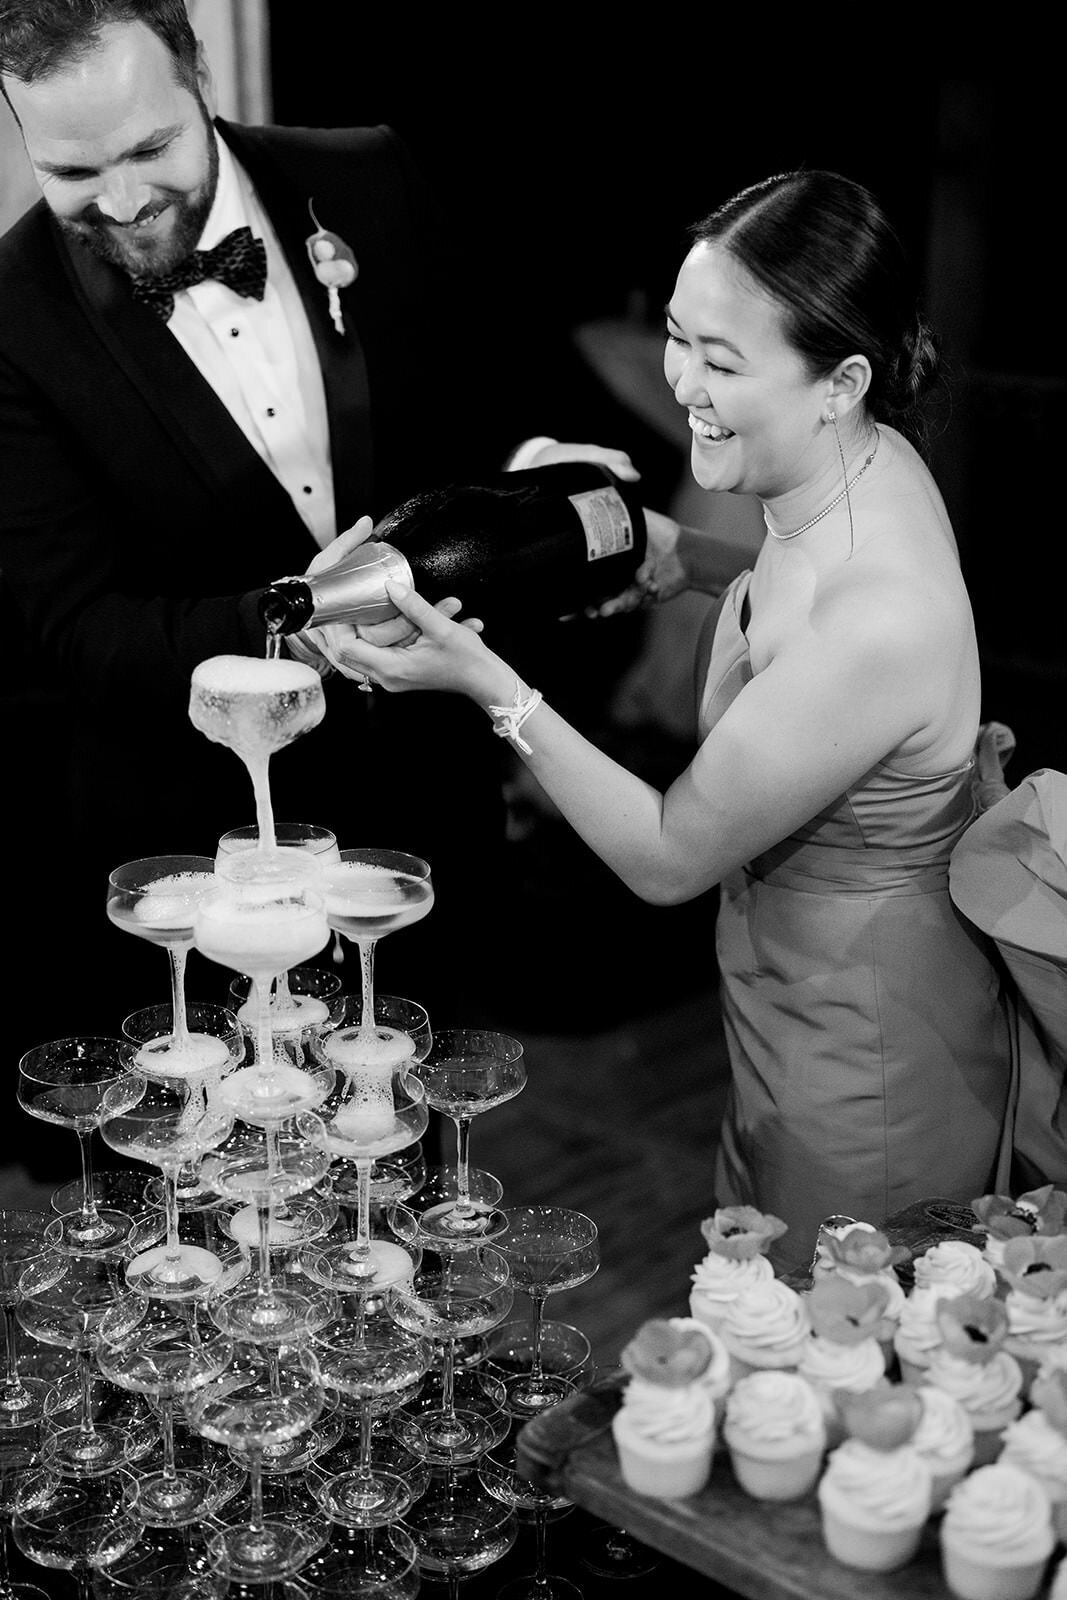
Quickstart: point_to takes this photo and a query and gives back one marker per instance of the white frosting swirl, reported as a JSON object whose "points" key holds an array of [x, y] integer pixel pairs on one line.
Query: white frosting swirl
{"points": [[956, 1264], [716, 1375], [668, 1416], [1000, 1515], [993, 1387], [770, 1320], [876, 1489], [1031, 1442], [918, 1335], [1029, 1317], [765, 1410], [830, 1365], [944, 1436], [719, 1279]]}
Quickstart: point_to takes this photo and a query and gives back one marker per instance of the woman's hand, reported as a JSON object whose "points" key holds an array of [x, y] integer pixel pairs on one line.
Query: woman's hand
{"points": [[442, 654]]}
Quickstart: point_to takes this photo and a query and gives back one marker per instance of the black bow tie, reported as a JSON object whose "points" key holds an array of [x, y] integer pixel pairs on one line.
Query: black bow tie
{"points": [[239, 260]]}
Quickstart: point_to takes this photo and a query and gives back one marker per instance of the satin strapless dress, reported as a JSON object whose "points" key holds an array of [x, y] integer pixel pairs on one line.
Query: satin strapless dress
{"points": [[863, 1013]]}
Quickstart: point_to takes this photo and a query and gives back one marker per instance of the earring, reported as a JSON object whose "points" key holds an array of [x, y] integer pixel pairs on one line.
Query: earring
{"points": [[831, 416]]}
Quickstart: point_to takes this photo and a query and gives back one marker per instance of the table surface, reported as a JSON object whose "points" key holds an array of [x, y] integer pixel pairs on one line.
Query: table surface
{"points": [[759, 1550]]}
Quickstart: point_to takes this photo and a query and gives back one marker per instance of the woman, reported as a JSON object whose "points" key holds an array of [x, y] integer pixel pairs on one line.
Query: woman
{"points": [[839, 706]]}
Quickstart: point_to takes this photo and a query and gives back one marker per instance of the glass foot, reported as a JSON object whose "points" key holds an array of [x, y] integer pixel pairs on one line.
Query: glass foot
{"points": [[540, 1586], [282, 1317], [528, 1396], [446, 1439], [365, 1500], [21, 1403], [188, 1496], [612, 1553], [77, 1235], [271, 1551], [192, 1273], [346, 1269], [78, 1453], [456, 1224]]}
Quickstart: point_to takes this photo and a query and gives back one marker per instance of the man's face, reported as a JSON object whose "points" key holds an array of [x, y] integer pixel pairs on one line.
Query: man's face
{"points": [[125, 154]]}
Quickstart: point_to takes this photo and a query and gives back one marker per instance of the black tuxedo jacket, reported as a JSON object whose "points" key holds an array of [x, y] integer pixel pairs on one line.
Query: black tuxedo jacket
{"points": [[137, 526]]}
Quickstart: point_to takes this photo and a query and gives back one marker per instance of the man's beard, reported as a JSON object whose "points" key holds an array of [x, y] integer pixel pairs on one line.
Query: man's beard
{"points": [[143, 256]]}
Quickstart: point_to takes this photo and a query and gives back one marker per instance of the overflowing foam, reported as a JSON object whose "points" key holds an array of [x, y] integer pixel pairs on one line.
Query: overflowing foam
{"points": [[253, 675]]}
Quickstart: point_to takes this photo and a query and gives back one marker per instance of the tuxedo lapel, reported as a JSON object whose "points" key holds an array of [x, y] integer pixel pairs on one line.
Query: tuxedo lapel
{"points": [[341, 355], [195, 419]]}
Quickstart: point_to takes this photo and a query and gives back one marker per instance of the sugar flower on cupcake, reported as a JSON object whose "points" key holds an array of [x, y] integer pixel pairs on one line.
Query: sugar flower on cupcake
{"points": [[1042, 1211], [741, 1232], [663, 1353], [736, 1237]]}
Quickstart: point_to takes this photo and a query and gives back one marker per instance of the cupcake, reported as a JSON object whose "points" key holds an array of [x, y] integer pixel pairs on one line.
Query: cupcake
{"points": [[945, 1440], [862, 1254], [1038, 1211], [715, 1377], [996, 1534], [974, 1368], [766, 1327], [774, 1431], [843, 1351], [1035, 1273], [955, 1265], [874, 1504], [918, 1334], [664, 1429], [737, 1238], [1034, 1444]]}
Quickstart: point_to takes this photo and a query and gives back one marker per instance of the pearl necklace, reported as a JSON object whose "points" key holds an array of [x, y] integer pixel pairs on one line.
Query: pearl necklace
{"points": [[850, 483]]}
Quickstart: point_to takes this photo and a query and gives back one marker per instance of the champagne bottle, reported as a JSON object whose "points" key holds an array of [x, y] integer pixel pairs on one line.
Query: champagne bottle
{"points": [[541, 543]]}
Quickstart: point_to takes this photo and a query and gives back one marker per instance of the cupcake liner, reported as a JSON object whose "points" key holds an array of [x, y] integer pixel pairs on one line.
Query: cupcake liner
{"points": [[788, 1478], [664, 1472], [969, 1579], [870, 1549]]}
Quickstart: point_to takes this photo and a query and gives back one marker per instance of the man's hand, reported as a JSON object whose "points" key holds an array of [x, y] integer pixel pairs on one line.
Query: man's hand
{"points": [[616, 461]]}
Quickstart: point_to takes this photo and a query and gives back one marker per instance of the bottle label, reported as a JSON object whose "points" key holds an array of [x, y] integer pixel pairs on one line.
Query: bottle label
{"points": [[605, 520]]}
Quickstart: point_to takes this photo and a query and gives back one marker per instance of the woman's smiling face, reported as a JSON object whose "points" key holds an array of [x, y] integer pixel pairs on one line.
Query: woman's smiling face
{"points": [[754, 410]]}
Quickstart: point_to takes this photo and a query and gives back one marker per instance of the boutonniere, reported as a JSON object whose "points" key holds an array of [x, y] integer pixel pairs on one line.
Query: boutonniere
{"points": [[333, 263]]}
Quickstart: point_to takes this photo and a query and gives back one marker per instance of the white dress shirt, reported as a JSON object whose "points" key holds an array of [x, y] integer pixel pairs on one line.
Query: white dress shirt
{"points": [[259, 356]]}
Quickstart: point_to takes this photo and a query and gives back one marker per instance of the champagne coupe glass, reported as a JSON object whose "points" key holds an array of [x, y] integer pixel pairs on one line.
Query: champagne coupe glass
{"points": [[459, 1528], [379, 1109], [214, 1030], [64, 1082], [500, 1475], [64, 1300], [467, 1072], [262, 927], [164, 1564], [18, 1458], [564, 1350], [23, 1238], [255, 708], [370, 893], [262, 1398], [167, 1123], [452, 1296], [376, 1563], [267, 1167], [167, 1351], [307, 1004], [156, 899], [548, 1249], [79, 1525], [374, 1365]]}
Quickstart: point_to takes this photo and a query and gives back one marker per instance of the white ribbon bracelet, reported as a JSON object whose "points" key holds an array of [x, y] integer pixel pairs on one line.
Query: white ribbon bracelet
{"points": [[507, 720]]}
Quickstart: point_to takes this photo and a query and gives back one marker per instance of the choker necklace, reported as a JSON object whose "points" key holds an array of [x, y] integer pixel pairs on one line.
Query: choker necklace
{"points": [[850, 483]]}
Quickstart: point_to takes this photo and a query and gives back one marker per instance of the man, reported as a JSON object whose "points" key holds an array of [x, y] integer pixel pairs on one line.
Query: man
{"points": [[171, 446]]}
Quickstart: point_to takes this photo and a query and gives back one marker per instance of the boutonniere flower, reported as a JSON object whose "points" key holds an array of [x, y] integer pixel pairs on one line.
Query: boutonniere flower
{"points": [[972, 1329], [846, 1313], [741, 1231], [1037, 1265], [662, 1353], [884, 1416], [864, 1250], [1041, 1210], [333, 264]]}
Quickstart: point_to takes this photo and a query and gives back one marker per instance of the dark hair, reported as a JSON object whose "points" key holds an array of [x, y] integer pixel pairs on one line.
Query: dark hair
{"points": [[38, 37], [821, 246]]}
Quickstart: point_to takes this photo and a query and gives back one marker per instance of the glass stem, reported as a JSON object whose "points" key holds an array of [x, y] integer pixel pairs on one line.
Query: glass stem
{"points": [[541, 1559], [255, 1483], [90, 1217], [11, 1381], [463, 1171], [366, 965], [363, 1171], [178, 955], [86, 1379], [264, 1030], [166, 1410], [266, 1286], [448, 1385], [365, 1435], [170, 1207], [536, 1371], [5, 1559]]}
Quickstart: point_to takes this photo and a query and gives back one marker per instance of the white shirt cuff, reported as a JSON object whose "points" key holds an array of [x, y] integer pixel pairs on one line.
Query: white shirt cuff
{"points": [[523, 457]]}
